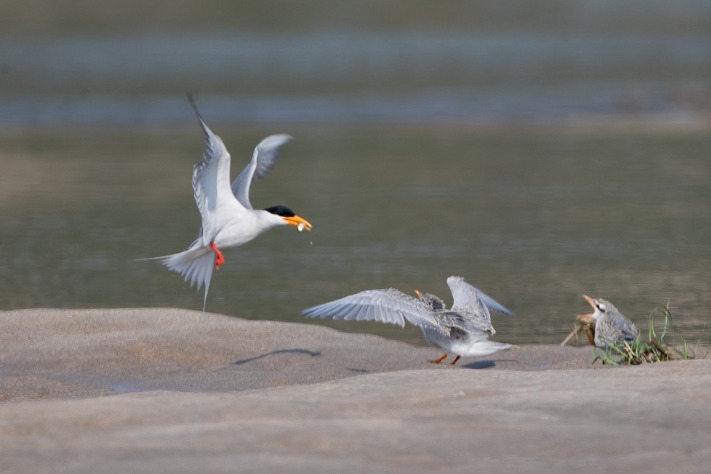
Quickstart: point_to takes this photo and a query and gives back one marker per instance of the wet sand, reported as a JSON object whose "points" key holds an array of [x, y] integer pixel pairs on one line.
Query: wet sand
{"points": [[158, 390]]}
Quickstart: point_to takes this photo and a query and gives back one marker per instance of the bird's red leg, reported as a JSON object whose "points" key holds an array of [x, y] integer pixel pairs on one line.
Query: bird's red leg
{"points": [[437, 361], [219, 258], [456, 359]]}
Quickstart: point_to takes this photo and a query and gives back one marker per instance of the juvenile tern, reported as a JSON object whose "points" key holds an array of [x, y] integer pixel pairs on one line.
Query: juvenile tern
{"points": [[611, 326], [228, 218], [464, 329]]}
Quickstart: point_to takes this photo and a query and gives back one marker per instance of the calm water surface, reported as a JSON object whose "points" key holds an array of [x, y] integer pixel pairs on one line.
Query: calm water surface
{"points": [[533, 217], [540, 151]]}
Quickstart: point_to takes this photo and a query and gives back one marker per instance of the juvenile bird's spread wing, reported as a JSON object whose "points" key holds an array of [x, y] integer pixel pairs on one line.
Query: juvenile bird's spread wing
{"points": [[385, 306], [466, 297], [263, 160]]}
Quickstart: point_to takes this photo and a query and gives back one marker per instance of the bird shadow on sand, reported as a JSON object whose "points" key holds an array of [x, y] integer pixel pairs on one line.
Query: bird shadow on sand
{"points": [[484, 364], [280, 351]]}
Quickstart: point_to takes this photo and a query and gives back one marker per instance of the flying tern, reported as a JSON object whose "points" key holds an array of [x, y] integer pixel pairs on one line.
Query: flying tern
{"points": [[228, 218]]}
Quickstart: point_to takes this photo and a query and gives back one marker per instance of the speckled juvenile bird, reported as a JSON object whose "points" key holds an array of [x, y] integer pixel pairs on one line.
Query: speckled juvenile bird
{"points": [[464, 329], [611, 326]]}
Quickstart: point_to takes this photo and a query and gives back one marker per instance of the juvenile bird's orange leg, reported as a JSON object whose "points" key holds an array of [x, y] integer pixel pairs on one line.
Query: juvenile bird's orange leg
{"points": [[219, 258], [456, 359], [437, 361]]}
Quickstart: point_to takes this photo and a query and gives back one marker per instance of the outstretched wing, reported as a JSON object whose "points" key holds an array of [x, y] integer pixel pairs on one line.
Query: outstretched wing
{"points": [[466, 297], [263, 160], [385, 306], [211, 182]]}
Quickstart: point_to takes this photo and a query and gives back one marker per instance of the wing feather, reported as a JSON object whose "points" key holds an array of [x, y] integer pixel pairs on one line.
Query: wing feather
{"points": [[466, 297], [475, 323], [385, 306], [211, 181], [613, 329], [263, 160]]}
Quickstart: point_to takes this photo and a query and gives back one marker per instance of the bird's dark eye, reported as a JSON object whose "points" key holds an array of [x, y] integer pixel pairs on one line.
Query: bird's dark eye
{"points": [[280, 210], [601, 307]]}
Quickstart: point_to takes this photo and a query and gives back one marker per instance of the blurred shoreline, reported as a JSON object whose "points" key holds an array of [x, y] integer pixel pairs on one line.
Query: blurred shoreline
{"points": [[612, 125], [356, 77]]}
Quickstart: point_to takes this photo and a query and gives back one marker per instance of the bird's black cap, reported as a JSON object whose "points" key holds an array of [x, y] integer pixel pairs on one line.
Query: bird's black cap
{"points": [[280, 210]]}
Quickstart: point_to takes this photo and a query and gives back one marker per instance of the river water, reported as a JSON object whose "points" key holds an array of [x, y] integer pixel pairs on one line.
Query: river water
{"points": [[539, 165]]}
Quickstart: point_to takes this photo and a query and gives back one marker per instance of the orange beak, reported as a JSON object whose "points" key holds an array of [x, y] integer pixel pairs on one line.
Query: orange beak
{"points": [[589, 300], [299, 222], [417, 292]]}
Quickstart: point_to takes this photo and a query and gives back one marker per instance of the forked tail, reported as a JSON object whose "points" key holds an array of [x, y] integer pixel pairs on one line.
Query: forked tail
{"points": [[195, 265]]}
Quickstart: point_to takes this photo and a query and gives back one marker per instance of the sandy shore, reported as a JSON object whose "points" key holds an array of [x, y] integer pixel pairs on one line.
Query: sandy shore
{"points": [[167, 390]]}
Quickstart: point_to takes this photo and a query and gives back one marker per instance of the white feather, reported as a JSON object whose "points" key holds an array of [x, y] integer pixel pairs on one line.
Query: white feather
{"points": [[228, 219]]}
